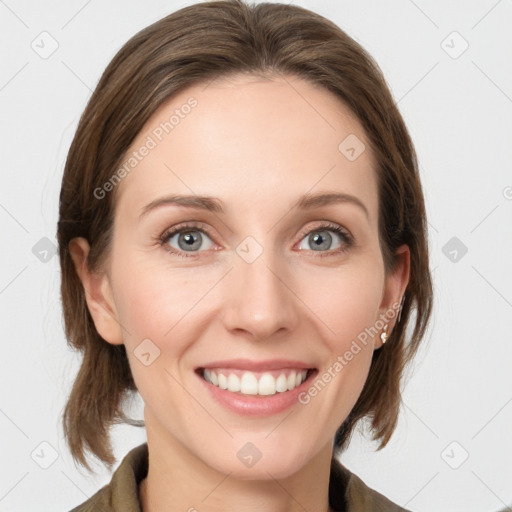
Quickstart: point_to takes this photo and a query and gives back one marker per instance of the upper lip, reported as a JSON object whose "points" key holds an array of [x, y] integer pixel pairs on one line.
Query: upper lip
{"points": [[258, 366]]}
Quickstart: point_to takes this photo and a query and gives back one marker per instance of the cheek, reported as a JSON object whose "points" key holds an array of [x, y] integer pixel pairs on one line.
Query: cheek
{"points": [[156, 308], [346, 302], [154, 300]]}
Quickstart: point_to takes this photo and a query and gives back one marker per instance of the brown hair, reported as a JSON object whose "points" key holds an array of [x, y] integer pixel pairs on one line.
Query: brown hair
{"points": [[193, 45]]}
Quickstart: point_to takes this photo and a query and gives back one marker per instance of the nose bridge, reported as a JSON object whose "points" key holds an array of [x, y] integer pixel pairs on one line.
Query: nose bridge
{"points": [[259, 300]]}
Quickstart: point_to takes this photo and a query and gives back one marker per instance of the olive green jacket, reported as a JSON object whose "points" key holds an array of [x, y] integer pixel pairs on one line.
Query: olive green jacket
{"points": [[347, 492]]}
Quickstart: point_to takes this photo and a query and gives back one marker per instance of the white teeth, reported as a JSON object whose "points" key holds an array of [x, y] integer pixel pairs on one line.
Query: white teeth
{"points": [[267, 385], [223, 382], [250, 385], [282, 383], [291, 381], [233, 382]]}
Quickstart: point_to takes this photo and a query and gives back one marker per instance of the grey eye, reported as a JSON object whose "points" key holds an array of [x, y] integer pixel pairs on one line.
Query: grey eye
{"points": [[320, 240], [189, 241]]}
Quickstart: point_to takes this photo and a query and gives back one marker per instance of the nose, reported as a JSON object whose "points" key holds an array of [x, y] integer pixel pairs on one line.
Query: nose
{"points": [[260, 299]]}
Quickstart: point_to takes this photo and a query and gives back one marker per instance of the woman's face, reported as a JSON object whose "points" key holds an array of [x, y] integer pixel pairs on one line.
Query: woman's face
{"points": [[260, 287]]}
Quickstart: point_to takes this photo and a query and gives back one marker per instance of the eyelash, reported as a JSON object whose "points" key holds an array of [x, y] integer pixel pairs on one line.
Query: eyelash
{"points": [[188, 227]]}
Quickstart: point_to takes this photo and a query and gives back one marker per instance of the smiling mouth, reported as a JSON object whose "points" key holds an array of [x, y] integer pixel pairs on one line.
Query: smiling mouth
{"points": [[244, 382]]}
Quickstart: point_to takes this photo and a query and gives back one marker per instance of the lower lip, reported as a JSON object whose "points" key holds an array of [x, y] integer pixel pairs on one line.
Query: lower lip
{"points": [[257, 405]]}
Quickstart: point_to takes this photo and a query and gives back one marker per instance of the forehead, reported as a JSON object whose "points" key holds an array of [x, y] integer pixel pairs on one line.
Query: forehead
{"points": [[250, 140]]}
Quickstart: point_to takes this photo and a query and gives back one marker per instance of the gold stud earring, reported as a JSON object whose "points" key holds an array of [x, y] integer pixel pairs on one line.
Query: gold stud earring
{"points": [[384, 335]]}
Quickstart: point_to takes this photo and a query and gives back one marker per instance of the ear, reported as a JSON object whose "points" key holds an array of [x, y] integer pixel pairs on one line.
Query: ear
{"points": [[98, 293], [394, 289]]}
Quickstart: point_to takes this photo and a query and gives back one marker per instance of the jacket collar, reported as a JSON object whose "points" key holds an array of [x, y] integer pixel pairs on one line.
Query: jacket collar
{"points": [[347, 492]]}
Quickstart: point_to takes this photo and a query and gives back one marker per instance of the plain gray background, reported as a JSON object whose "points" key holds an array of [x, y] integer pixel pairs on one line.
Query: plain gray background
{"points": [[452, 450]]}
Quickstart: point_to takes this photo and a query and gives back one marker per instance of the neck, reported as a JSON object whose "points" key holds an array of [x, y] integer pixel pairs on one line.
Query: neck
{"points": [[177, 480]]}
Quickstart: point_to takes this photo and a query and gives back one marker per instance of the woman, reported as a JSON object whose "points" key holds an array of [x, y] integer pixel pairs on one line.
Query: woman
{"points": [[242, 239]]}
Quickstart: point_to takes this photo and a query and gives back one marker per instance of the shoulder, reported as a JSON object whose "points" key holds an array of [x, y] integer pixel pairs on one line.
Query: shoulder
{"points": [[359, 497], [122, 493]]}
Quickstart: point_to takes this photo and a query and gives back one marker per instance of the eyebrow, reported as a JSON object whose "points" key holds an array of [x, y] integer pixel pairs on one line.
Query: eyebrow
{"points": [[213, 204]]}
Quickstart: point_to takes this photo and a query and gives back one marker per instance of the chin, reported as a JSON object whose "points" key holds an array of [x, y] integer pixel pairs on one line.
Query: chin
{"points": [[250, 463]]}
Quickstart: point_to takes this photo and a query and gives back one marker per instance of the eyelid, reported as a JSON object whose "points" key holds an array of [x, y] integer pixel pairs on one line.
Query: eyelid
{"points": [[326, 225]]}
